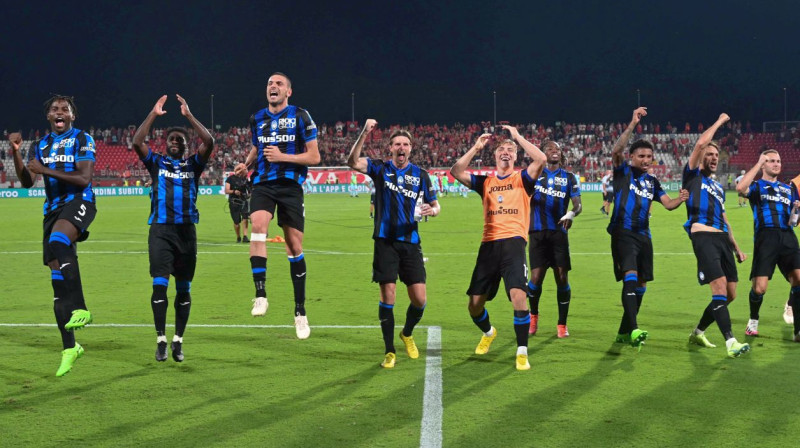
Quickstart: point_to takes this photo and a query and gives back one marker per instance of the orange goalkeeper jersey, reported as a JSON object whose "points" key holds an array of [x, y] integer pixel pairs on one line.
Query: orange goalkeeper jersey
{"points": [[506, 204]]}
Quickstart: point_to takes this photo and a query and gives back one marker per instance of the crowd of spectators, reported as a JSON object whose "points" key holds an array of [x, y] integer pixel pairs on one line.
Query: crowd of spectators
{"points": [[587, 146]]}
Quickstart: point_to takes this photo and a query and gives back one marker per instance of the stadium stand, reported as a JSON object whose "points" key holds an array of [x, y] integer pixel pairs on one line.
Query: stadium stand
{"points": [[587, 147]]}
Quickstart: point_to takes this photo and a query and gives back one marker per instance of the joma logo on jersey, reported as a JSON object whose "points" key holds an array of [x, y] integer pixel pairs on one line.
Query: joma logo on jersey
{"points": [[275, 138], [58, 158], [501, 188], [171, 175], [64, 143]]}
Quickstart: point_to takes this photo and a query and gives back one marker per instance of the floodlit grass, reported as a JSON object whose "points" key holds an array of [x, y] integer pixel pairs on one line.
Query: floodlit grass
{"points": [[263, 387]]}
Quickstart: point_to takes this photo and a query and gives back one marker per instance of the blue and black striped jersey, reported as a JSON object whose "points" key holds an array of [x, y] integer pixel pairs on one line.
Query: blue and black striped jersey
{"points": [[173, 195], [62, 153], [289, 130], [396, 194], [771, 203], [551, 198], [634, 193], [706, 202]]}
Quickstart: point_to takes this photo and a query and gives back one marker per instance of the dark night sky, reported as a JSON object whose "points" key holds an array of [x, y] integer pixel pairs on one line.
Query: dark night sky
{"points": [[406, 62]]}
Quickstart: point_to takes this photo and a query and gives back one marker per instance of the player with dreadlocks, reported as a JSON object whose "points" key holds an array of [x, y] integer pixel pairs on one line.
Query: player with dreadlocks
{"points": [[65, 158]]}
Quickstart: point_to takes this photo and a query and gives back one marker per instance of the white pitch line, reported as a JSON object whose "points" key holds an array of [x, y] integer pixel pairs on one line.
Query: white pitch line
{"points": [[431, 426], [309, 251], [201, 326]]}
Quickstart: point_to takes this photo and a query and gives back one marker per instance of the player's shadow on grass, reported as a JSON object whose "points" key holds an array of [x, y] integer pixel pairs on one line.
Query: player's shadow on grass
{"points": [[319, 403], [545, 403]]}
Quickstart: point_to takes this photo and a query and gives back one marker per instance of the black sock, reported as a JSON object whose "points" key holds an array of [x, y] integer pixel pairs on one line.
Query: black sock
{"points": [[630, 304], [640, 296], [61, 309], [482, 321], [64, 252], [522, 321], [534, 293], [183, 305], [259, 268], [297, 269], [413, 316], [386, 316], [707, 318], [795, 303], [564, 295], [158, 302], [719, 306], [755, 304]]}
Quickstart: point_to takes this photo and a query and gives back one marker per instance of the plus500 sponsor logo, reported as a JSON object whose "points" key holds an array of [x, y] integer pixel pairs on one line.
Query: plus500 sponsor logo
{"points": [[60, 158], [274, 138]]}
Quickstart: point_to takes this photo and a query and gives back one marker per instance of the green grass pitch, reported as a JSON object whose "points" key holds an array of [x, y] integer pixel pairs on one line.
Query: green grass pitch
{"points": [[260, 386]]}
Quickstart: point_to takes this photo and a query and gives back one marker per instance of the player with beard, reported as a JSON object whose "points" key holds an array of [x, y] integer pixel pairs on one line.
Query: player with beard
{"points": [[284, 145], [399, 187], [774, 242], [506, 209], [631, 244], [65, 158], [549, 244], [172, 242], [712, 240]]}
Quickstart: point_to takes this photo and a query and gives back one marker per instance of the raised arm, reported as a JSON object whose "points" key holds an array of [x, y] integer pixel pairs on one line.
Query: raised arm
{"points": [[459, 168], [26, 178], [616, 154], [744, 185], [354, 159], [144, 128], [531, 150], [205, 150], [705, 138]]}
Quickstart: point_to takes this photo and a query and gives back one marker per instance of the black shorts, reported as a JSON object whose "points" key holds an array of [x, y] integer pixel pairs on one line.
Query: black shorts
{"points": [[714, 253], [391, 258], [775, 246], [173, 250], [631, 251], [549, 249], [502, 259], [372, 199], [79, 213], [608, 197], [240, 209], [284, 194]]}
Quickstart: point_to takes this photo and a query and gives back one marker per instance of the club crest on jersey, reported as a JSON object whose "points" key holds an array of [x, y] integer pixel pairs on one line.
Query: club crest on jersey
{"points": [[500, 198], [273, 125], [550, 181]]}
